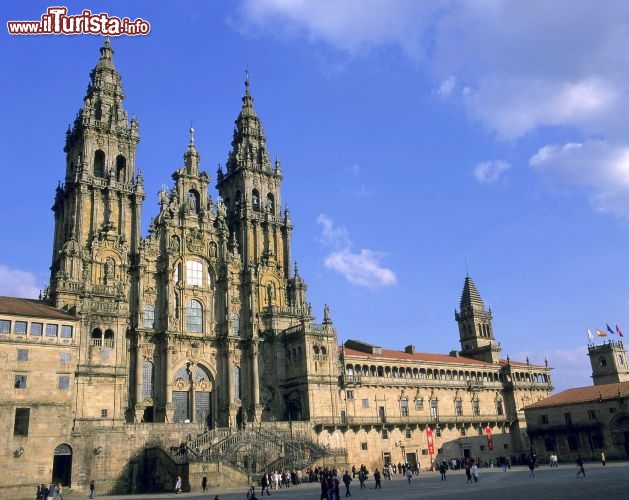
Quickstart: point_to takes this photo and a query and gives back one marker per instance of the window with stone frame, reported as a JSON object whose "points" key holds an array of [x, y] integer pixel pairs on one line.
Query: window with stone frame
{"points": [[458, 407], [349, 394], [20, 327], [363, 446], [147, 379], [21, 422], [103, 413], [148, 316], [22, 354], [385, 434], [37, 329], [66, 331], [365, 403], [64, 383], [592, 414], [51, 330], [475, 407], [194, 273], [404, 407], [5, 326], [463, 431], [434, 409], [65, 357], [19, 382], [499, 407], [194, 317], [419, 404]]}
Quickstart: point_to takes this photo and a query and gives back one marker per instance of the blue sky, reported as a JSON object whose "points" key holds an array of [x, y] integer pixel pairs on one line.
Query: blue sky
{"points": [[414, 137]]}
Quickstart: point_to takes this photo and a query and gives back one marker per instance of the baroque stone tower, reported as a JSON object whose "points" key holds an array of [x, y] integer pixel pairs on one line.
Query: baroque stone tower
{"points": [[97, 232], [192, 322], [475, 330]]}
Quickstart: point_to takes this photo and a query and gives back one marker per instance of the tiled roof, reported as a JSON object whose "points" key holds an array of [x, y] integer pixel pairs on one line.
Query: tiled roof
{"points": [[15, 306], [584, 395], [423, 356]]}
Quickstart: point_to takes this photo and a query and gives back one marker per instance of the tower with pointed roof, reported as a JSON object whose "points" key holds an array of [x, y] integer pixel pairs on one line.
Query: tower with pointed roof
{"points": [[475, 330], [97, 213]]}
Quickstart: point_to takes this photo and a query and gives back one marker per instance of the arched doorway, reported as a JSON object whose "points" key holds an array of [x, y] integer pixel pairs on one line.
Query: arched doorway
{"points": [[62, 465], [192, 394]]}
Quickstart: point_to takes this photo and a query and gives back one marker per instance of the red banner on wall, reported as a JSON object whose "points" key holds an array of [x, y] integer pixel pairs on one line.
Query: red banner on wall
{"points": [[431, 442], [490, 441]]}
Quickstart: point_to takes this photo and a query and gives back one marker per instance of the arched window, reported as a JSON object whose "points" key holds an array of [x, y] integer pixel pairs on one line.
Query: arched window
{"points": [[194, 317], [147, 379], [270, 203], [255, 200], [621, 361], [97, 336], [108, 340], [238, 198], [149, 317], [235, 324], [99, 164], [324, 353], [121, 168], [602, 361], [194, 273]]}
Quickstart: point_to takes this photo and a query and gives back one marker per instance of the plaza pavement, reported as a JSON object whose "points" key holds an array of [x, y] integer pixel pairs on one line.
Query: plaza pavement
{"points": [[608, 483]]}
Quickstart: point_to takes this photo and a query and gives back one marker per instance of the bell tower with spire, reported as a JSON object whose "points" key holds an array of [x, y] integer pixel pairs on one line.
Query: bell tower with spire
{"points": [[475, 330], [250, 188], [97, 212]]}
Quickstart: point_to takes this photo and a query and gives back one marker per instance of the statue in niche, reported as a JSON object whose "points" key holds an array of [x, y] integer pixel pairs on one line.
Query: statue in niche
{"points": [[109, 269]]}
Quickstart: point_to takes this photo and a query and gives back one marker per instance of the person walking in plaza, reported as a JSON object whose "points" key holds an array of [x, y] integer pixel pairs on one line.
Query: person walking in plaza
{"points": [[204, 484], [178, 484], [475, 472], [443, 468], [468, 470], [580, 466], [347, 479], [409, 475], [531, 464], [92, 488], [378, 478], [265, 484], [603, 458], [362, 475]]}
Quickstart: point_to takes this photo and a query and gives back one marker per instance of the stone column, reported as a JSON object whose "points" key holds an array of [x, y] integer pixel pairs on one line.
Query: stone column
{"points": [[139, 408], [170, 407]]}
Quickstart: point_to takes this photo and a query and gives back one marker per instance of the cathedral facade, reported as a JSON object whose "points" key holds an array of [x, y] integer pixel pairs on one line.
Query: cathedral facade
{"points": [[204, 323]]}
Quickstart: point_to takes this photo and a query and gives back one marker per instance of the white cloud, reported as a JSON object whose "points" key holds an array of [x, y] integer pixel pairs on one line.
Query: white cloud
{"points": [[490, 172], [446, 87], [598, 168], [352, 26], [17, 283], [362, 268], [520, 65], [515, 67]]}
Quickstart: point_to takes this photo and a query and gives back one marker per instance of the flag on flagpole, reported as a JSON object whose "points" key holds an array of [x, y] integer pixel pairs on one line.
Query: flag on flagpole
{"points": [[619, 331], [609, 329], [590, 336], [600, 333]]}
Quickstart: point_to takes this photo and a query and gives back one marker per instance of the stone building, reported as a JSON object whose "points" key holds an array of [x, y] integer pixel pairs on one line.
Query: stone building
{"points": [[203, 327], [587, 420]]}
